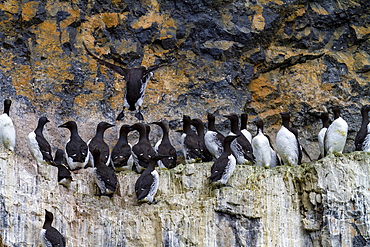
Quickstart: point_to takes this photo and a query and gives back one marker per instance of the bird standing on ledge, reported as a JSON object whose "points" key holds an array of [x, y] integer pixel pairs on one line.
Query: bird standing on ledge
{"points": [[287, 143], [77, 151], [38, 145], [336, 135], [362, 141], [7, 130], [50, 236]]}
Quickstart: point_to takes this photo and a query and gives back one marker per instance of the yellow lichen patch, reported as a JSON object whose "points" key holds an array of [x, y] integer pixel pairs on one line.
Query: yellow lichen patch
{"points": [[361, 31], [110, 19], [258, 22], [261, 87], [170, 79], [81, 101], [360, 60], [300, 12], [151, 17], [116, 101], [265, 2], [48, 44], [53, 7], [74, 16], [147, 20], [29, 10], [318, 9], [21, 78], [125, 45], [64, 36], [153, 4], [149, 57], [119, 84], [11, 6]]}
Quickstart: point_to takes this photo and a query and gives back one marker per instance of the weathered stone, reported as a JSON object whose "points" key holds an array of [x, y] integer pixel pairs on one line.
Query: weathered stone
{"points": [[262, 57], [262, 208]]}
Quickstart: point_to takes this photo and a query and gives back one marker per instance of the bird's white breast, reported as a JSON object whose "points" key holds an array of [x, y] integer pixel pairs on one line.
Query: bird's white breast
{"points": [[287, 146], [366, 144], [336, 136], [75, 165], [229, 169], [321, 137], [247, 135], [261, 150], [213, 145], [7, 132], [34, 148], [153, 187], [238, 151]]}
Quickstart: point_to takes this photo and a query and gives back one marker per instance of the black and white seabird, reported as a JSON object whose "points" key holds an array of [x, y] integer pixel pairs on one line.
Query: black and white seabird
{"points": [[97, 142], [325, 124], [64, 175], [7, 130], [165, 147], [38, 145], [136, 81], [213, 139], [142, 151], [121, 153], [243, 127], [105, 176], [199, 126], [241, 147], [287, 143], [262, 148], [362, 140], [51, 237], [224, 166], [77, 151], [146, 185], [191, 144], [336, 134]]}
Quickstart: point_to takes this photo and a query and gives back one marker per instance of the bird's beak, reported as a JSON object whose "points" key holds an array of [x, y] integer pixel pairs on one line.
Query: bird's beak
{"points": [[62, 126]]}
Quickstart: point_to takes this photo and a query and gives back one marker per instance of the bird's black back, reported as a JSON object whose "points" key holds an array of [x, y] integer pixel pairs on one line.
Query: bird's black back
{"points": [[77, 149], [119, 150], [97, 143], [143, 185], [44, 147], [135, 79], [55, 237], [246, 147], [166, 148]]}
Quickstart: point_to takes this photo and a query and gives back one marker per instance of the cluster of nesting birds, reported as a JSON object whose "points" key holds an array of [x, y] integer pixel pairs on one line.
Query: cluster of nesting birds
{"points": [[238, 147]]}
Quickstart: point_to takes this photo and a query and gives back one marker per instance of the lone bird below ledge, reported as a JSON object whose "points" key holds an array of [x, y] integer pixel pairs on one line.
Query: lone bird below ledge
{"points": [[136, 81]]}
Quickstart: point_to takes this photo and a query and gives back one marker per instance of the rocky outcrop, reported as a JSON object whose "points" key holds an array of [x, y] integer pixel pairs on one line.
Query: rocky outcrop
{"points": [[318, 204], [262, 57]]}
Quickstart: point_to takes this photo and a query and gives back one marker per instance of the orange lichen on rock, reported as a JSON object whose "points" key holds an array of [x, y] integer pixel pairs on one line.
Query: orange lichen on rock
{"points": [[29, 10], [21, 78], [10, 6]]}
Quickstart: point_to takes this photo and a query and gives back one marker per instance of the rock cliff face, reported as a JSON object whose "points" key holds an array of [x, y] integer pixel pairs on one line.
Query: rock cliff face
{"points": [[320, 204], [259, 56]]}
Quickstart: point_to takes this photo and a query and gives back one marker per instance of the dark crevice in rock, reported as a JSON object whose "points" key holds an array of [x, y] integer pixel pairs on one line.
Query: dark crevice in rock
{"points": [[291, 61], [245, 229]]}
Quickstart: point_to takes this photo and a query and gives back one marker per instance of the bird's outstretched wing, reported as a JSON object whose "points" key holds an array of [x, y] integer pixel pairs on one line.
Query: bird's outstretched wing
{"points": [[119, 70]]}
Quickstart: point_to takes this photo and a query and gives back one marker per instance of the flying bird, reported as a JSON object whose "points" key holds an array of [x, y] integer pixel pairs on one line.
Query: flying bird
{"points": [[136, 81]]}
